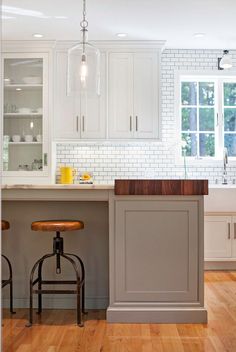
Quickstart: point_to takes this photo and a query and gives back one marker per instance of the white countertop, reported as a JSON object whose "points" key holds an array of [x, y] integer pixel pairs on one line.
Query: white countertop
{"points": [[61, 186]]}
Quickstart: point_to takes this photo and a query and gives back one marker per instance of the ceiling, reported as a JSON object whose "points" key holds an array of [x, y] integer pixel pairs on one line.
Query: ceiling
{"points": [[172, 20]]}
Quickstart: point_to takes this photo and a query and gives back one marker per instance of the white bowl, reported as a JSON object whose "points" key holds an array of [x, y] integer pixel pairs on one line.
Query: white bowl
{"points": [[24, 110], [28, 138], [16, 138], [32, 80]]}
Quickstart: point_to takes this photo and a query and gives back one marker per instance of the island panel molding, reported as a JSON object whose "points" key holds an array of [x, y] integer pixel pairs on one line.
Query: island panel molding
{"points": [[161, 187]]}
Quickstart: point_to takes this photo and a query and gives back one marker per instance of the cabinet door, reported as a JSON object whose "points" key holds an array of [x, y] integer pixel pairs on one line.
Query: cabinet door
{"points": [[217, 237], [26, 109], [156, 251], [146, 95], [234, 236], [66, 109], [93, 110], [120, 92]]}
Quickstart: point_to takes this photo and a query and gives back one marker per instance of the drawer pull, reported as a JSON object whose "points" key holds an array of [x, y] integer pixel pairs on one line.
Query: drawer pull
{"points": [[234, 231], [136, 117], [228, 231], [130, 123], [83, 122], [77, 123]]}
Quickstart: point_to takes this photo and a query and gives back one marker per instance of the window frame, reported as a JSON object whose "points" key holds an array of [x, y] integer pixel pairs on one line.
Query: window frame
{"points": [[219, 78]]}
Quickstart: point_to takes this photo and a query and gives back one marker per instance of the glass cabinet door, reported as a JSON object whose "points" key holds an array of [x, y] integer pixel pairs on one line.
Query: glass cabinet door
{"points": [[23, 114]]}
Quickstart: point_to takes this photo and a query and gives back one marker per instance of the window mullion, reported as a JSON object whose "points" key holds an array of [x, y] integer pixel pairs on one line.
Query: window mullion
{"points": [[220, 117], [197, 134]]}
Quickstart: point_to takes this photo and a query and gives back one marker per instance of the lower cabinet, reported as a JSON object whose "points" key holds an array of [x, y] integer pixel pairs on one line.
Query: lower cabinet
{"points": [[156, 259], [220, 237]]}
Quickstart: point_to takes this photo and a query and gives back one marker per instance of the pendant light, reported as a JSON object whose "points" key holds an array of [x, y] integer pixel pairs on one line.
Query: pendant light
{"points": [[226, 61], [83, 70]]}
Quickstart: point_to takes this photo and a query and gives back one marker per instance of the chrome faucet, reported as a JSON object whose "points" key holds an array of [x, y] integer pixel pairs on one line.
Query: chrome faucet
{"points": [[225, 160]]}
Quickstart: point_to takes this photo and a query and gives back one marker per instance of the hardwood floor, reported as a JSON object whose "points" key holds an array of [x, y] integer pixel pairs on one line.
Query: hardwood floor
{"points": [[58, 333]]}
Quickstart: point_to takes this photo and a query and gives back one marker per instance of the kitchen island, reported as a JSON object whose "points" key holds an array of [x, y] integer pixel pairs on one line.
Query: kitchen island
{"points": [[155, 237]]}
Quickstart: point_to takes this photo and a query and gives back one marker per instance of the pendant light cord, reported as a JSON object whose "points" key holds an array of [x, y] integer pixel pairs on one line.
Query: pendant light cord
{"points": [[84, 25], [84, 11]]}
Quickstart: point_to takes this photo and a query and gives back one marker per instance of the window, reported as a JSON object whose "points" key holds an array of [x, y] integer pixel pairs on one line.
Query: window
{"points": [[208, 116]]}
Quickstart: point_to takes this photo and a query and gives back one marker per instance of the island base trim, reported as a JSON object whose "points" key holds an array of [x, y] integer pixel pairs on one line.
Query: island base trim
{"points": [[162, 316]]}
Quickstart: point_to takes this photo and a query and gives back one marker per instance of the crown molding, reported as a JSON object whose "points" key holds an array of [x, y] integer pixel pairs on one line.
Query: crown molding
{"points": [[39, 45], [27, 45]]}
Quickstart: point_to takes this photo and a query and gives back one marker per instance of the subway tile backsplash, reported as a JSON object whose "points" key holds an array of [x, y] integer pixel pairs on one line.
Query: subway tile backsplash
{"points": [[111, 160]]}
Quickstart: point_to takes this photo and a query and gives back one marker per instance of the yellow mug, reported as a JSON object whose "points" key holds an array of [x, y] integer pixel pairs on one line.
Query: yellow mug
{"points": [[67, 174]]}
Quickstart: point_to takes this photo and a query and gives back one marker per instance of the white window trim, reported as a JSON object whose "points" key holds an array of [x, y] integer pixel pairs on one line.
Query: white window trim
{"points": [[178, 75]]}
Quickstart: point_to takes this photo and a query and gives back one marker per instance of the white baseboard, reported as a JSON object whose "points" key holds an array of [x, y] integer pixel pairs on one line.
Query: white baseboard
{"points": [[63, 302], [157, 315]]}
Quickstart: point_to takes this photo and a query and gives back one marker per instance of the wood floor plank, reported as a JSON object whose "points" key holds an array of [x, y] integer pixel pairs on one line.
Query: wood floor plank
{"points": [[56, 331]]}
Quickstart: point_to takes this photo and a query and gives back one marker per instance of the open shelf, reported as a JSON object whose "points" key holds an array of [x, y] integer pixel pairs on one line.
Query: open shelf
{"points": [[24, 143], [18, 114], [23, 86]]}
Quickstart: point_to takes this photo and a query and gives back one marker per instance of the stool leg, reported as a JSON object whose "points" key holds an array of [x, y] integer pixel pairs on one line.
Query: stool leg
{"points": [[30, 323], [40, 287], [10, 283], [79, 320], [82, 280]]}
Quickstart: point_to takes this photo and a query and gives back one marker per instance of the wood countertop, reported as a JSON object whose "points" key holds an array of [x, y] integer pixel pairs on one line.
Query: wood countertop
{"points": [[161, 187]]}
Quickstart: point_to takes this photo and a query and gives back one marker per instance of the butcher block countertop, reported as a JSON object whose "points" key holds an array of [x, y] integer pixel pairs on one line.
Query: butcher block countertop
{"points": [[161, 187]]}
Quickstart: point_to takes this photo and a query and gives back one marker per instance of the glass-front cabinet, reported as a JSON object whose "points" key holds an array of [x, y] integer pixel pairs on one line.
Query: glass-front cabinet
{"points": [[25, 114]]}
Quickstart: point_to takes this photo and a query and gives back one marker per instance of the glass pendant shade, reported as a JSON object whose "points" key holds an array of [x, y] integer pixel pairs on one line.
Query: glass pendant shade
{"points": [[83, 70], [226, 61]]}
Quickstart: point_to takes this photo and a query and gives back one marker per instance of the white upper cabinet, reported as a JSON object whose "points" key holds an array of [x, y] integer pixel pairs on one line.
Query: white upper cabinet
{"points": [[133, 96], [120, 95], [146, 95], [77, 117], [26, 111], [66, 109]]}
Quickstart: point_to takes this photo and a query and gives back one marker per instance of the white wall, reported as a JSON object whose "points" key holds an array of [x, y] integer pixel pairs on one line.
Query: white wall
{"points": [[146, 160]]}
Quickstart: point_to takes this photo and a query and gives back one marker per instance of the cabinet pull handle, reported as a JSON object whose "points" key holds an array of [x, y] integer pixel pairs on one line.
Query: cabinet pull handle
{"points": [[83, 123], [130, 123], [228, 231], [77, 123], [234, 231], [45, 159], [136, 118]]}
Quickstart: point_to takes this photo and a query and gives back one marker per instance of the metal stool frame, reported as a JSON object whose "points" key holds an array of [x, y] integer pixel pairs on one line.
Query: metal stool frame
{"points": [[9, 282], [58, 251]]}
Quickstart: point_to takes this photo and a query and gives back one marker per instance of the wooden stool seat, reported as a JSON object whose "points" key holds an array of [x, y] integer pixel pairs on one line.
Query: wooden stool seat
{"points": [[5, 225], [57, 225]]}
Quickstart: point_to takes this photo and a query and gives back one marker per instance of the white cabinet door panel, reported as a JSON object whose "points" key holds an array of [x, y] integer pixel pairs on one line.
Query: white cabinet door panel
{"points": [[217, 237], [66, 109], [93, 111], [120, 91], [146, 95]]}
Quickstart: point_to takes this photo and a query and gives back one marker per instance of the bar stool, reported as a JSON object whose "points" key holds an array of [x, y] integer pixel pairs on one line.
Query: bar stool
{"points": [[58, 226], [6, 226]]}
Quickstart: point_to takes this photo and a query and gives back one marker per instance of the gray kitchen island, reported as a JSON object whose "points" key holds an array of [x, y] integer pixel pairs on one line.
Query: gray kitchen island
{"points": [[148, 238]]}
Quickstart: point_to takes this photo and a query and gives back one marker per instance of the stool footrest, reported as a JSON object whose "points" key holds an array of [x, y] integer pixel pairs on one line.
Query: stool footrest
{"points": [[55, 291], [6, 282], [53, 282]]}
